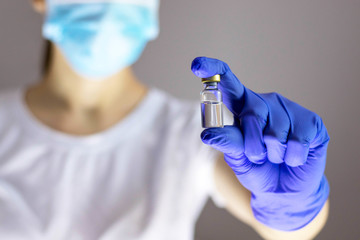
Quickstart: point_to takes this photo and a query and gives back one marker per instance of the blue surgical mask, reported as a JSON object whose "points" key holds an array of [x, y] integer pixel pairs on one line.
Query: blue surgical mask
{"points": [[101, 37]]}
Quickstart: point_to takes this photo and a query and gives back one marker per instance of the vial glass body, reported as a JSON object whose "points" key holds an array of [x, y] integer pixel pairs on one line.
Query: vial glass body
{"points": [[211, 106]]}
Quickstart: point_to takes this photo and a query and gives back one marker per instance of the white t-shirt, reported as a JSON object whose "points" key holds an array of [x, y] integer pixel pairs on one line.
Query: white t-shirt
{"points": [[147, 177]]}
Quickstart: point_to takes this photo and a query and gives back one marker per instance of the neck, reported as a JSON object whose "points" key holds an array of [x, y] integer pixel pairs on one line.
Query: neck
{"points": [[72, 92]]}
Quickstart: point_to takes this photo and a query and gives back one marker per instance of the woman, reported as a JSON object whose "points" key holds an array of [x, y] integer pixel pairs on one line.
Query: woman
{"points": [[90, 152]]}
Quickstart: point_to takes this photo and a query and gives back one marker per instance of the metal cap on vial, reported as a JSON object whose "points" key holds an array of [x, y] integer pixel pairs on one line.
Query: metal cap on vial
{"points": [[215, 78]]}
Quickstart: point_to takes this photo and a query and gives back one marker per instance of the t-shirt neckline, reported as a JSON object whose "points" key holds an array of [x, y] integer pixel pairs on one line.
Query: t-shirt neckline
{"points": [[120, 131]]}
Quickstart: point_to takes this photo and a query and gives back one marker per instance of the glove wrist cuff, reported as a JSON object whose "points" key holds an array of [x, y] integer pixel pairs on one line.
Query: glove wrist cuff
{"points": [[289, 211]]}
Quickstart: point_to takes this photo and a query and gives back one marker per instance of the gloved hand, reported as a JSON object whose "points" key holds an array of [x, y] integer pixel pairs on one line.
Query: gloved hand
{"points": [[276, 148]]}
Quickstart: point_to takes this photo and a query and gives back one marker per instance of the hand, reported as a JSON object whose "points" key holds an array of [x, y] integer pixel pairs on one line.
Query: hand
{"points": [[276, 148]]}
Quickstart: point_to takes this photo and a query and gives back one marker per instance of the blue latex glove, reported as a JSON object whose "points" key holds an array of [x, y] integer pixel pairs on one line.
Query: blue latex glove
{"points": [[276, 148]]}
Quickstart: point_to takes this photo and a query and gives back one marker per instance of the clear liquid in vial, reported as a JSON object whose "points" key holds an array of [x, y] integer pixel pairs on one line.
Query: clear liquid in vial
{"points": [[211, 114]]}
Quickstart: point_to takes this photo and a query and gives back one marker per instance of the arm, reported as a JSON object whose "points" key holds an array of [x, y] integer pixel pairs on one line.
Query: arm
{"points": [[237, 200], [277, 150]]}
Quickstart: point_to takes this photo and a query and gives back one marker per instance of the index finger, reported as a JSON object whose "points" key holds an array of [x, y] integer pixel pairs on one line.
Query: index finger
{"points": [[232, 89]]}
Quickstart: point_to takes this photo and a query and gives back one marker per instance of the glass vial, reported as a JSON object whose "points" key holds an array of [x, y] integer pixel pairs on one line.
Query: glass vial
{"points": [[211, 103]]}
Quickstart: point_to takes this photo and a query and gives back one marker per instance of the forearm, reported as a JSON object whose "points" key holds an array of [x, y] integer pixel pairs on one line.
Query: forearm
{"points": [[277, 150], [306, 233], [238, 198]]}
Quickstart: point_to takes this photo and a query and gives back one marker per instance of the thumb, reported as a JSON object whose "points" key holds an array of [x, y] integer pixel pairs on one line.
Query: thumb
{"points": [[228, 140]]}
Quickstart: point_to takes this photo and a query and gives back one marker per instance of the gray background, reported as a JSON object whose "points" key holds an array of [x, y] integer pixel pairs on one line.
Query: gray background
{"points": [[306, 50]]}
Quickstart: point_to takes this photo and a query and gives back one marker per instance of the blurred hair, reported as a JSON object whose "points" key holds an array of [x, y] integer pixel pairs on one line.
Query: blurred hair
{"points": [[46, 57]]}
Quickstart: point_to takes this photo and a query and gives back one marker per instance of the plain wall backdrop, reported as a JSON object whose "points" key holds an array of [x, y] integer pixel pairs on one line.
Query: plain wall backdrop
{"points": [[309, 51]]}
